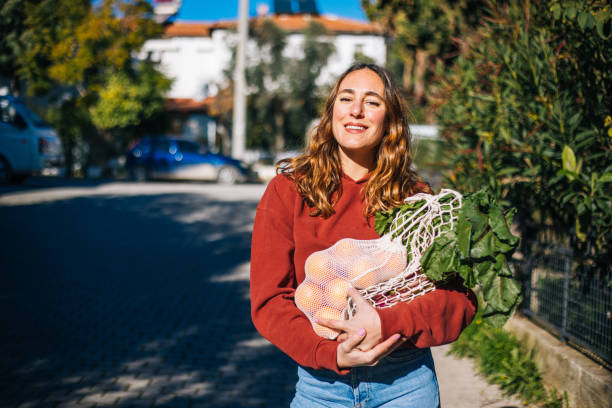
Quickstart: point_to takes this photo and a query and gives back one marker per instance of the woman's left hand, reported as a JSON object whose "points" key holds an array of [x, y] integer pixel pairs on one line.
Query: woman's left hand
{"points": [[365, 318]]}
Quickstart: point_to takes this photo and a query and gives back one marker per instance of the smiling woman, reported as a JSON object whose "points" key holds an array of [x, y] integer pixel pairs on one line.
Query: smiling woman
{"points": [[357, 163]]}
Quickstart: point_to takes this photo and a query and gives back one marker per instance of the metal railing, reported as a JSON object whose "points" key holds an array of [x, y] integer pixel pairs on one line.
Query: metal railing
{"points": [[569, 298]]}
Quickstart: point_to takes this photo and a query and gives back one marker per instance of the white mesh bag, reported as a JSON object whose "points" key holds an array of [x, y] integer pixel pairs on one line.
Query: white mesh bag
{"points": [[386, 270]]}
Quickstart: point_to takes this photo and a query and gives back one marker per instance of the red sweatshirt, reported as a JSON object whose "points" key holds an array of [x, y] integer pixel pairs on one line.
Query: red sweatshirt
{"points": [[284, 235]]}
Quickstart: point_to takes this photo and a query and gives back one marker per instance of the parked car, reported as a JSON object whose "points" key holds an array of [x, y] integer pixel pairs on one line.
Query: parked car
{"points": [[177, 159], [28, 145]]}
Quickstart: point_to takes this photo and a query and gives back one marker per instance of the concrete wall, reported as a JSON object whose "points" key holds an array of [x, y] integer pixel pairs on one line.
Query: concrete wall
{"points": [[588, 384]]}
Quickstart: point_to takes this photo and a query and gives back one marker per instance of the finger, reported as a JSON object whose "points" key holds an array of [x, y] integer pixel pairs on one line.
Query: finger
{"points": [[341, 325], [393, 348], [342, 337], [384, 348], [353, 341], [357, 297]]}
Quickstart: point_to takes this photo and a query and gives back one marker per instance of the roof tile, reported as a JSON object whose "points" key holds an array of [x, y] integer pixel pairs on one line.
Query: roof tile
{"points": [[288, 22]]}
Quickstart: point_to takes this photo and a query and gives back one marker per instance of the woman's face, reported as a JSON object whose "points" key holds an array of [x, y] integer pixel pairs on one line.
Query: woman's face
{"points": [[358, 121]]}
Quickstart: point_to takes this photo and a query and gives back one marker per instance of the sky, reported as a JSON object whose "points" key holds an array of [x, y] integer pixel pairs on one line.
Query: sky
{"points": [[213, 10]]}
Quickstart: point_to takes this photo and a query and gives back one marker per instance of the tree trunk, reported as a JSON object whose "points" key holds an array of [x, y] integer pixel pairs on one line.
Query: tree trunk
{"points": [[279, 137], [68, 157], [407, 74], [419, 75]]}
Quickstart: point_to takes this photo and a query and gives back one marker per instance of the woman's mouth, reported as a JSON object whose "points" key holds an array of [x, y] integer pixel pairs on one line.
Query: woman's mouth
{"points": [[354, 127]]}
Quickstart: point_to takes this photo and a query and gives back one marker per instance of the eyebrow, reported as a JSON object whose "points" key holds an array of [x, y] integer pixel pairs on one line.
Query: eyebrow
{"points": [[368, 93]]}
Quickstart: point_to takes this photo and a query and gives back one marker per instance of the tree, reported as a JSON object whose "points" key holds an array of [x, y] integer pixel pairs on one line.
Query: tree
{"points": [[527, 114], [29, 29], [421, 34], [284, 97], [130, 100], [12, 17], [65, 43]]}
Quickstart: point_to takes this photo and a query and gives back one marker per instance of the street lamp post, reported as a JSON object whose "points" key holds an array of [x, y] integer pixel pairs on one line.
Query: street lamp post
{"points": [[239, 114]]}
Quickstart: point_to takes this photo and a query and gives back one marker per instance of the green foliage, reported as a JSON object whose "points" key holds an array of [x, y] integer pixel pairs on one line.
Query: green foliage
{"points": [[527, 113], [42, 26], [423, 33], [504, 361], [129, 100], [85, 50], [284, 97], [12, 17]]}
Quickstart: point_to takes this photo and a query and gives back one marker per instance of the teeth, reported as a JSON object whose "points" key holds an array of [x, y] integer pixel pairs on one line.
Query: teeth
{"points": [[355, 127]]}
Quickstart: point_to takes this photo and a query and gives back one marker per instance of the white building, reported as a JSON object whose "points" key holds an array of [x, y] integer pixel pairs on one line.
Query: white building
{"points": [[195, 56]]}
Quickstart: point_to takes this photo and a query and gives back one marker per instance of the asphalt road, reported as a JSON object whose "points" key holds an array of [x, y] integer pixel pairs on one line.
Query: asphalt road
{"points": [[126, 294]]}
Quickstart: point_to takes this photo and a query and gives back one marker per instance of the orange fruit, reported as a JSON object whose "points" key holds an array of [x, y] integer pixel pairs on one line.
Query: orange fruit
{"points": [[335, 294], [308, 297], [394, 264], [364, 273], [318, 268], [346, 247], [326, 312]]}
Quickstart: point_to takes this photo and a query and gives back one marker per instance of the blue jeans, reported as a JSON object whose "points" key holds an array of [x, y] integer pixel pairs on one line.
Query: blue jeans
{"points": [[404, 379]]}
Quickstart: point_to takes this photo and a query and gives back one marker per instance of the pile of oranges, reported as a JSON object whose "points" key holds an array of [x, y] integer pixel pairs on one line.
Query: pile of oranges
{"points": [[329, 274]]}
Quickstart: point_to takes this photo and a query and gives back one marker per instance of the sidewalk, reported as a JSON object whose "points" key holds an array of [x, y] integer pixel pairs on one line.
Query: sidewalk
{"points": [[461, 386]]}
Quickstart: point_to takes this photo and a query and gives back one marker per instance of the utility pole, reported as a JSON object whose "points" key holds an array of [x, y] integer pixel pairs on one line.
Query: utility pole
{"points": [[239, 114]]}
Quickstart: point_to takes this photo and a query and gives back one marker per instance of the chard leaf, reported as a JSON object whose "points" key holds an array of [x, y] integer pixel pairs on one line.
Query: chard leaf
{"points": [[468, 275], [497, 318], [441, 260], [383, 220], [484, 247], [499, 225], [501, 266], [471, 209], [464, 235], [500, 292], [489, 246], [482, 268]]}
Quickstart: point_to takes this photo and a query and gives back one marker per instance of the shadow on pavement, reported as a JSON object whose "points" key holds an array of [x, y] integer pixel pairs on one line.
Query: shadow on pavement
{"points": [[133, 301]]}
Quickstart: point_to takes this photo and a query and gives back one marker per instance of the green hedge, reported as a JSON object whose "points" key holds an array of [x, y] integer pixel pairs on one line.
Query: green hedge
{"points": [[526, 108], [503, 360]]}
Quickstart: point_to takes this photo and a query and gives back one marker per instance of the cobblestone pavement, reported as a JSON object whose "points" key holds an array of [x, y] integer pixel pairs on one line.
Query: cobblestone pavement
{"points": [[132, 295]]}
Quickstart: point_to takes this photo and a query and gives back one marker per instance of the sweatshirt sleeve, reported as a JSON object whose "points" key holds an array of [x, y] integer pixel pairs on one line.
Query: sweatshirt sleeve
{"points": [[433, 319], [273, 282]]}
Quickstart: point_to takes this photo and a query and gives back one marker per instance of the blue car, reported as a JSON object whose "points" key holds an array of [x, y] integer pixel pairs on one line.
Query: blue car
{"points": [[164, 158]]}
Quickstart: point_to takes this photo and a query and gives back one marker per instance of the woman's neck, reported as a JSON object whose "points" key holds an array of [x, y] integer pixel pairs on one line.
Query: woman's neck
{"points": [[356, 167]]}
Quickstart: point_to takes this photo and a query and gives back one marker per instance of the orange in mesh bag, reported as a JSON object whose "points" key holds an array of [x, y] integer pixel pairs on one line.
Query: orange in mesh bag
{"points": [[384, 270]]}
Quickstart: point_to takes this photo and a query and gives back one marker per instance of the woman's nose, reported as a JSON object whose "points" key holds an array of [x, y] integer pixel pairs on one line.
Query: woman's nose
{"points": [[356, 109]]}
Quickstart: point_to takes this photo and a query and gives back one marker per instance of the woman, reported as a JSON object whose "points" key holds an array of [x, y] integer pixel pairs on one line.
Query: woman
{"points": [[357, 163]]}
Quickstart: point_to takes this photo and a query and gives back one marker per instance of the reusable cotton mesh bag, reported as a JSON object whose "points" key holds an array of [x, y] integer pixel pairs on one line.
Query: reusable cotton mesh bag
{"points": [[386, 270]]}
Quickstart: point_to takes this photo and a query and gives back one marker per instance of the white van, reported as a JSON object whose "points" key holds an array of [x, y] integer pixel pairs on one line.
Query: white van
{"points": [[27, 144]]}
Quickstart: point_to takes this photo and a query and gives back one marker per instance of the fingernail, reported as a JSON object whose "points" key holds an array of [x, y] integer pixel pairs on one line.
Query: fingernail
{"points": [[316, 320], [361, 332]]}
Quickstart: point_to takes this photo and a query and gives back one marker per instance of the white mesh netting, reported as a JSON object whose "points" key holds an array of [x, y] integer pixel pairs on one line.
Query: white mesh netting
{"points": [[384, 270]]}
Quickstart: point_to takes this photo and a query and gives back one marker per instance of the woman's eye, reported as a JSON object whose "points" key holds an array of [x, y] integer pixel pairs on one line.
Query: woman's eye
{"points": [[345, 99], [373, 103]]}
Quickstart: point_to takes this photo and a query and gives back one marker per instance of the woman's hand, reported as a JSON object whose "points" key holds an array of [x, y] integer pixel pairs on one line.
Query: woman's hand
{"points": [[349, 355], [365, 318], [360, 337]]}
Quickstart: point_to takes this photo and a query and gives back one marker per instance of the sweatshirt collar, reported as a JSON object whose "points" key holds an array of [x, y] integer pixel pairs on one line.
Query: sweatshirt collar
{"points": [[359, 181]]}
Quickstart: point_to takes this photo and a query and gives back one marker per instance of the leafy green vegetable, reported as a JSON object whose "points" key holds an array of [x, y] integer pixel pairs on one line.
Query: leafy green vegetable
{"points": [[476, 249]]}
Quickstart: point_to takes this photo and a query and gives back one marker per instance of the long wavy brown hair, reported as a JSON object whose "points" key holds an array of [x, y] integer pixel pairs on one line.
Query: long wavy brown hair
{"points": [[317, 173]]}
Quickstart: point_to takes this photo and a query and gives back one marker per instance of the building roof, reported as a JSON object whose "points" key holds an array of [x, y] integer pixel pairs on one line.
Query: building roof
{"points": [[182, 29], [188, 104], [288, 22]]}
